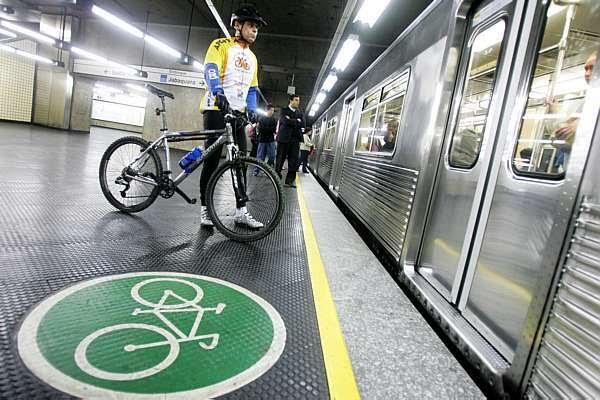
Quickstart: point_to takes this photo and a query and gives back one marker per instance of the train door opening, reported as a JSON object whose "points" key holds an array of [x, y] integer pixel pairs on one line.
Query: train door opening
{"points": [[344, 129]]}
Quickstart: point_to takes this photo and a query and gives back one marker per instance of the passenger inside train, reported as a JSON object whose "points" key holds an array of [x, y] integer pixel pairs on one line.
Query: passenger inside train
{"points": [[563, 71]]}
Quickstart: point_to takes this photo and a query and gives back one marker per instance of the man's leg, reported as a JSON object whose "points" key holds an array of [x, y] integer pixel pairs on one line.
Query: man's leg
{"points": [[212, 119], [261, 152], [271, 153], [304, 160], [281, 155], [292, 153]]}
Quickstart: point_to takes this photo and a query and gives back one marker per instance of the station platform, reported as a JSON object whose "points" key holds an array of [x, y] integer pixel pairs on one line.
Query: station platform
{"points": [[98, 304]]}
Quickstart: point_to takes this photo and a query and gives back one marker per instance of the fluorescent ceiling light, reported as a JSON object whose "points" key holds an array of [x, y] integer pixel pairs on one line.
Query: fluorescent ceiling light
{"points": [[118, 22], [215, 13], [161, 46], [320, 98], [7, 33], [197, 65], [135, 31], [28, 32], [329, 82], [346, 53], [26, 54], [92, 56], [370, 11], [312, 113]]}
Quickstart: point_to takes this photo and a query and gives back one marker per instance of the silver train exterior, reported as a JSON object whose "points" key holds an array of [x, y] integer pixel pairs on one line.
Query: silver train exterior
{"points": [[470, 152]]}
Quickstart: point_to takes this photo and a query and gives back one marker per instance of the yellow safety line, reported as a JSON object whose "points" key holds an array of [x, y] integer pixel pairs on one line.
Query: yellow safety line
{"points": [[340, 377]]}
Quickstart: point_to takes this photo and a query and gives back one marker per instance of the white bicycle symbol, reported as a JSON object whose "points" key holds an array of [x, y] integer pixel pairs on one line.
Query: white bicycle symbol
{"points": [[207, 342]]}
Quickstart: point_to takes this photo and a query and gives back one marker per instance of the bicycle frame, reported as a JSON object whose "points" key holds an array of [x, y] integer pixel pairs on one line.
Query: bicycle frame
{"points": [[226, 137], [182, 337]]}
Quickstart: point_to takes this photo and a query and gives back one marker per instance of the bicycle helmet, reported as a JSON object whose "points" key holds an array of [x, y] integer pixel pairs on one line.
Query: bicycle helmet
{"points": [[247, 14]]}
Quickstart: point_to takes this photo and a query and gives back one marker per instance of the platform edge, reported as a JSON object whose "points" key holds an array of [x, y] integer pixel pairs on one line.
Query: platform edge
{"points": [[340, 376]]}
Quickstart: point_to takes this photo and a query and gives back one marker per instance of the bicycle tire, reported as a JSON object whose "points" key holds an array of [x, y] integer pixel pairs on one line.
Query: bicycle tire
{"points": [[268, 180], [106, 158]]}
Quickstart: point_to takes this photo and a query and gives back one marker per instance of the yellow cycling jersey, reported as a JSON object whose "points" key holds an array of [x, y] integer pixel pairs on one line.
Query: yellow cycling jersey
{"points": [[238, 69]]}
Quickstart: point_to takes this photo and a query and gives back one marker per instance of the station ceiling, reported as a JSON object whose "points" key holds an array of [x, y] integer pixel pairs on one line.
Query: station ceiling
{"points": [[292, 50]]}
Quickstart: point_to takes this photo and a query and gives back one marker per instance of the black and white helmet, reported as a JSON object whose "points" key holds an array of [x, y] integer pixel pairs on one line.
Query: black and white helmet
{"points": [[247, 14]]}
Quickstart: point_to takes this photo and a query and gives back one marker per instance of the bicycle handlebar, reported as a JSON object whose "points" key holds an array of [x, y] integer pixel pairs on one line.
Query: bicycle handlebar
{"points": [[230, 115]]}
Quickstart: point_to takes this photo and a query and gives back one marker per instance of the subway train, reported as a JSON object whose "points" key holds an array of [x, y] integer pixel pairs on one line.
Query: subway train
{"points": [[469, 155]]}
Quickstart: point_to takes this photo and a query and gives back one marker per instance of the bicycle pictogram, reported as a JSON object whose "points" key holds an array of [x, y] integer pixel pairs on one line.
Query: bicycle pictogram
{"points": [[172, 337]]}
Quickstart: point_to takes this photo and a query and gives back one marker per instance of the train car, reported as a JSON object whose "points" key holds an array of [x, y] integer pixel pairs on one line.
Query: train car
{"points": [[469, 152]]}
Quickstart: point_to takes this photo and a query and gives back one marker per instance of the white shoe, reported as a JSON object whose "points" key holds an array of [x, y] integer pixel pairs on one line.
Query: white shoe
{"points": [[205, 219], [248, 220]]}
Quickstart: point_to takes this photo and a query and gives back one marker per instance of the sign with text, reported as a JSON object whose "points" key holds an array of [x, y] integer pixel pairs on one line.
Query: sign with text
{"points": [[159, 75]]}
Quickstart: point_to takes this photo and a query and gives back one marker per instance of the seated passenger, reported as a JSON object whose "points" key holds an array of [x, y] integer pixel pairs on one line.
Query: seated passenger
{"points": [[389, 141], [525, 160]]}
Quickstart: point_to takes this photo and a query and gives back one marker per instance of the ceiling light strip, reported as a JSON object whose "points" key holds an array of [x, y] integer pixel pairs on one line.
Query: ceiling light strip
{"points": [[7, 33], [28, 32], [214, 12]]}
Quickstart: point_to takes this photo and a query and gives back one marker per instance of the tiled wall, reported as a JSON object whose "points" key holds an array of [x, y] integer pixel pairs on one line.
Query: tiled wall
{"points": [[16, 83]]}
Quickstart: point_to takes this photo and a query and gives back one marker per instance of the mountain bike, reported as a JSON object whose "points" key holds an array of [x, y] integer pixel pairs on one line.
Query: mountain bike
{"points": [[132, 176]]}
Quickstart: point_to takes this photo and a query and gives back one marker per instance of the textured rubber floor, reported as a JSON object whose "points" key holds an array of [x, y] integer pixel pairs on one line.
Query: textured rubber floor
{"points": [[57, 229]]}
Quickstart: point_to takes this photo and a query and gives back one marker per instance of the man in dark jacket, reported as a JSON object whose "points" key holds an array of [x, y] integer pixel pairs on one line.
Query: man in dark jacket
{"points": [[289, 136], [266, 136]]}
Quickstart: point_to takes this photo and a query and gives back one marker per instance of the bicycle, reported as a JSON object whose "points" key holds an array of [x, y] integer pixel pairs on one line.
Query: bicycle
{"points": [[171, 338], [132, 176]]}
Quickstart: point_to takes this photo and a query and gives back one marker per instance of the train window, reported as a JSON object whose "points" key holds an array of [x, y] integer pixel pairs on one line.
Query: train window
{"points": [[330, 134], [388, 122], [380, 117], [371, 100], [568, 51], [365, 128], [476, 96], [391, 90]]}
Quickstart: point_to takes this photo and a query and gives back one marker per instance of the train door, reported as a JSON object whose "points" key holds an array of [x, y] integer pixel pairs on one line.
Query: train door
{"points": [[471, 136], [534, 182], [344, 129], [318, 140]]}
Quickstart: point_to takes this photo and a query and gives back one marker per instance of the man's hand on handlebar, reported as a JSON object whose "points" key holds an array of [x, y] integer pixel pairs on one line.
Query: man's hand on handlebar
{"points": [[222, 102]]}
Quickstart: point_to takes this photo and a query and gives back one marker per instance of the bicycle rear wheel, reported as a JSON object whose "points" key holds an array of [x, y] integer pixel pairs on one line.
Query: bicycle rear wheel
{"points": [[264, 201], [118, 174]]}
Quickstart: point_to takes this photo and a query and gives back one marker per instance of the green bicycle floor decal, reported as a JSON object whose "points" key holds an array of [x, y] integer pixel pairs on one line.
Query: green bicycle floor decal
{"points": [[151, 335]]}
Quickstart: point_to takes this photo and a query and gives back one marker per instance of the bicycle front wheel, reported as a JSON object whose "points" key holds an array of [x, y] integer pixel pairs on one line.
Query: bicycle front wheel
{"points": [[250, 181], [125, 184]]}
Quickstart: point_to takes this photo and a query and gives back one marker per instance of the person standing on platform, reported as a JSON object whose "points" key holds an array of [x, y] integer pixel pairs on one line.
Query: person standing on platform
{"points": [[230, 72], [305, 148], [266, 137], [289, 136]]}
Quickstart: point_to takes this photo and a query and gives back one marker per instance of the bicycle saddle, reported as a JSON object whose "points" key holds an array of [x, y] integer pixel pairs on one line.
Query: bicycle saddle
{"points": [[159, 92]]}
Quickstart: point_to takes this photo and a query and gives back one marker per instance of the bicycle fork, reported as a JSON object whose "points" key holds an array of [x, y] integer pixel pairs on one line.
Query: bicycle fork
{"points": [[239, 179]]}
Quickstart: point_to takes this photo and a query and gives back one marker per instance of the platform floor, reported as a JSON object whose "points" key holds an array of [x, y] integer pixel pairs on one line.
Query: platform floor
{"points": [[57, 232]]}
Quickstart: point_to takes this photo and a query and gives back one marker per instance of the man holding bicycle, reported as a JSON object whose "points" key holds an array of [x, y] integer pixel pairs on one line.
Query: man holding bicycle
{"points": [[230, 71]]}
